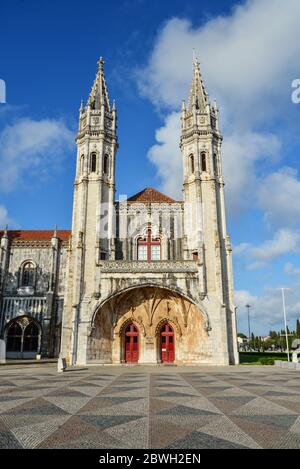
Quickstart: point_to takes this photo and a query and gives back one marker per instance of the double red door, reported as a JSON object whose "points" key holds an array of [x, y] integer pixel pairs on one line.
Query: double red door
{"points": [[167, 344], [131, 344]]}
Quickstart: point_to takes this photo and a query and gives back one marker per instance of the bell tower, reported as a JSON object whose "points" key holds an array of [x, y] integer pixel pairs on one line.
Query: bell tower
{"points": [[93, 236], [205, 233], [95, 174]]}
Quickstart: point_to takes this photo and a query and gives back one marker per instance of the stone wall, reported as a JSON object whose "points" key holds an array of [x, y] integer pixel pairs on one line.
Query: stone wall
{"points": [[44, 300]]}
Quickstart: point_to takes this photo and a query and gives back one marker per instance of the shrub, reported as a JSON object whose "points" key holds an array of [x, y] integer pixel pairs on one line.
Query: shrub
{"points": [[266, 361]]}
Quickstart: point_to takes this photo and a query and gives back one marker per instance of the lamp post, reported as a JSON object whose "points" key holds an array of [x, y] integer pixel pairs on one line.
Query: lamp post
{"points": [[248, 308], [285, 322]]}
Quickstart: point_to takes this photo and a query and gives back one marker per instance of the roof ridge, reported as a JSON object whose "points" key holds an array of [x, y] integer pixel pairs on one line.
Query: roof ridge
{"points": [[150, 194], [36, 235]]}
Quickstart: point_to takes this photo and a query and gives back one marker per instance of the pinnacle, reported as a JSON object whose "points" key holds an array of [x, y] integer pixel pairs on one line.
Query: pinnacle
{"points": [[99, 94]]}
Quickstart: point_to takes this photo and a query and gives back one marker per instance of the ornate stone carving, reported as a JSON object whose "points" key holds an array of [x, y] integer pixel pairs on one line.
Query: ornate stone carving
{"points": [[144, 266]]}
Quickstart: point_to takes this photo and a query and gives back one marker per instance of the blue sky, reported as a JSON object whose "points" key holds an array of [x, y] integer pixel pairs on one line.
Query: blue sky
{"points": [[249, 54]]}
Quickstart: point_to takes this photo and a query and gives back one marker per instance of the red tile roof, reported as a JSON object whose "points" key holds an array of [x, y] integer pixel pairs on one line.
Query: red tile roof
{"points": [[36, 235], [149, 195]]}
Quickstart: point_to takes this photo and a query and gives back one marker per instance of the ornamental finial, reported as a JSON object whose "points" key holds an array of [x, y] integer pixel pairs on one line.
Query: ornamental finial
{"points": [[196, 62], [100, 63]]}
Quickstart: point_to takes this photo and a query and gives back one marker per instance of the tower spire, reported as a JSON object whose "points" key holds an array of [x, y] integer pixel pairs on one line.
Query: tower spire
{"points": [[198, 95], [99, 94]]}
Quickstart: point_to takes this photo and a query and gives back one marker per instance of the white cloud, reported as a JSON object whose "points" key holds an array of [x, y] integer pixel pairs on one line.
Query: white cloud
{"points": [[243, 297], [241, 179], [245, 62], [29, 147], [167, 157], [266, 310], [284, 241], [283, 207], [291, 269], [241, 152], [4, 218], [240, 249], [249, 66]]}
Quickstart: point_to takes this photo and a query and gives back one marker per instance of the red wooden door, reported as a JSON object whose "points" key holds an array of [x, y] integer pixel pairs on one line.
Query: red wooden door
{"points": [[131, 344], [167, 344]]}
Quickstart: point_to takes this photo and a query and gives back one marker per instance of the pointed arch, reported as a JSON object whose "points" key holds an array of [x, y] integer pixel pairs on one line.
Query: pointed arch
{"points": [[23, 337], [105, 164], [172, 290], [192, 163], [93, 163], [203, 161], [28, 273], [14, 337], [82, 164], [170, 321]]}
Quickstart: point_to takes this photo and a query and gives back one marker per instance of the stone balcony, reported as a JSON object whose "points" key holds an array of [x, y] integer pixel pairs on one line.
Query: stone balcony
{"points": [[149, 267]]}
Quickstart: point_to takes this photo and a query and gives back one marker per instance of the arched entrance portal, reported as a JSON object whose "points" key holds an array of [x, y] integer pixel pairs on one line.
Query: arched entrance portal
{"points": [[148, 325], [131, 344], [167, 344]]}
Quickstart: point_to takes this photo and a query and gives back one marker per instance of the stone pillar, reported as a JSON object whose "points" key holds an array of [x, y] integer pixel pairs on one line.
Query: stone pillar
{"points": [[148, 350], [2, 351]]}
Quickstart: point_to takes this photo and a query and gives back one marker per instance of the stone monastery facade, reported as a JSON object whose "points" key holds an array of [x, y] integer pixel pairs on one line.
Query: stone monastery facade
{"points": [[143, 280]]}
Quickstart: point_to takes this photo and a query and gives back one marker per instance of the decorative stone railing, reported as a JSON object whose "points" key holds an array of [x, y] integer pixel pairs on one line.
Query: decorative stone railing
{"points": [[15, 306], [145, 266]]}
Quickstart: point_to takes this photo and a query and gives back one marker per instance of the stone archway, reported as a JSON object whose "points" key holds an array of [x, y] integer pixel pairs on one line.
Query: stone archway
{"points": [[148, 308]]}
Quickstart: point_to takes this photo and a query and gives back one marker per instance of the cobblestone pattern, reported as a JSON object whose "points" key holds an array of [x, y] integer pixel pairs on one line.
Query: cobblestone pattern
{"points": [[149, 407]]}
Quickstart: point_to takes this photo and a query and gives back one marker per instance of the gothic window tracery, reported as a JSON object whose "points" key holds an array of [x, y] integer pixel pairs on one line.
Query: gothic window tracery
{"points": [[14, 337], [23, 337], [28, 274], [30, 339], [148, 247]]}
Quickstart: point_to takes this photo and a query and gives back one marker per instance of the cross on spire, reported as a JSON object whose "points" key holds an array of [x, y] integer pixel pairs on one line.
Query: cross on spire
{"points": [[100, 63]]}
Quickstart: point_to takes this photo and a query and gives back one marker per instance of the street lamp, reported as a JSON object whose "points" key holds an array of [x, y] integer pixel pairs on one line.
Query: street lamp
{"points": [[248, 308], [285, 321]]}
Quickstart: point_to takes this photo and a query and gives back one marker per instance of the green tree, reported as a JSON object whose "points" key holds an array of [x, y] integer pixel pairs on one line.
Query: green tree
{"points": [[298, 328], [269, 344], [243, 336]]}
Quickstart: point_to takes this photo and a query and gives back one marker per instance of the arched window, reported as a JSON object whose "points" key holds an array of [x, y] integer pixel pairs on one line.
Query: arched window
{"points": [[31, 338], [148, 248], [23, 336], [105, 164], [14, 338], [28, 274], [82, 163], [192, 164], [203, 161], [93, 162]]}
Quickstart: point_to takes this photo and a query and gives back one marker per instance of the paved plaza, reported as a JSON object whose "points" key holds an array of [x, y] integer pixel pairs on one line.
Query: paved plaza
{"points": [[149, 407]]}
